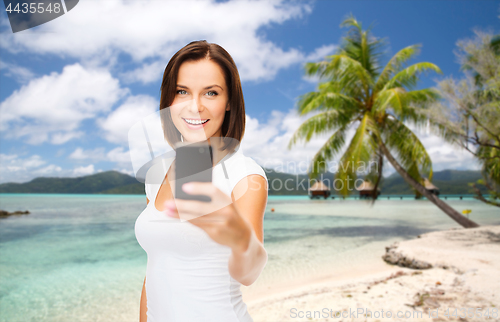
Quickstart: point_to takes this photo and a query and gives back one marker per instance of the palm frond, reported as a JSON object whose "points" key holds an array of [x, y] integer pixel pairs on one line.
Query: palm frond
{"points": [[410, 151], [389, 98], [406, 105], [315, 68], [374, 173], [319, 124], [327, 152], [361, 46], [325, 99], [358, 153], [408, 77], [346, 71], [395, 64]]}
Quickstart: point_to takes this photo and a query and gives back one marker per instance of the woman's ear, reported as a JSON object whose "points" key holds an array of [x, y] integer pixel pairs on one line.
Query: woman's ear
{"points": [[228, 108]]}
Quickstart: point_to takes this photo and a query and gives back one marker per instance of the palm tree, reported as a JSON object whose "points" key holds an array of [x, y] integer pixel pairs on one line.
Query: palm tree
{"points": [[355, 92]]}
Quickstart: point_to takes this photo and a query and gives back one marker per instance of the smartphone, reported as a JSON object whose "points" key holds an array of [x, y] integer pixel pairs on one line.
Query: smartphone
{"points": [[193, 162]]}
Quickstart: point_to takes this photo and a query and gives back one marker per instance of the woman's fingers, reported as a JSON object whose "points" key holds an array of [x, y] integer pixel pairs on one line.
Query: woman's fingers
{"points": [[171, 212], [200, 188], [192, 209], [218, 218], [218, 198]]}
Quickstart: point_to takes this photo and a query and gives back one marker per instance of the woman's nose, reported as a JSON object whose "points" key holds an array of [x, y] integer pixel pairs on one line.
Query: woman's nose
{"points": [[196, 106]]}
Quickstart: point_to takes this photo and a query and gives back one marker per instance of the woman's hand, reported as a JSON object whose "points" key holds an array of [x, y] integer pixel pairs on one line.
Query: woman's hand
{"points": [[219, 218]]}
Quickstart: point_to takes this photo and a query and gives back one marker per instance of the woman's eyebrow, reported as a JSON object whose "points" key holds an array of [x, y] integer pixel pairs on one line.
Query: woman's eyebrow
{"points": [[215, 85], [208, 87]]}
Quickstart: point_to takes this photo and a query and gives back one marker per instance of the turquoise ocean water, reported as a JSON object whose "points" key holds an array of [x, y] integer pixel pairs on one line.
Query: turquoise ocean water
{"points": [[75, 257]]}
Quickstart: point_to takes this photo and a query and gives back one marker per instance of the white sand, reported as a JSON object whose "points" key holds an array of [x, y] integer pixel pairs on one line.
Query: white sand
{"points": [[469, 280]]}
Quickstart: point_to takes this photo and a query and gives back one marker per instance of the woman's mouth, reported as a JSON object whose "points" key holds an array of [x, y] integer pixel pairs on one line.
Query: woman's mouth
{"points": [[195, 124]]}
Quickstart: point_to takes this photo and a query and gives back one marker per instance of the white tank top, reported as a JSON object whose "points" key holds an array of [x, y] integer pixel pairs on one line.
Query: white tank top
{"points": [[187, 276]]}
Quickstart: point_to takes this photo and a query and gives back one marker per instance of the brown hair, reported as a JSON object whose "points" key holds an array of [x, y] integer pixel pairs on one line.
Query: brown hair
{"points": [[234, 119]]}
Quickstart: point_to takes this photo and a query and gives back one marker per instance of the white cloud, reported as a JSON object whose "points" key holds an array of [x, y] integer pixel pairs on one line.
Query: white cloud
{"points": [[84, 171], [48, 171], [51, 107], [443, 154], [321, 52], [18, 73], [126, 171], [63, 137], [96, 32], [145, 74], [117, 124], [120, 156], [98, 154], [19, 169], [32, 162], [94, 155], [14, 168]]}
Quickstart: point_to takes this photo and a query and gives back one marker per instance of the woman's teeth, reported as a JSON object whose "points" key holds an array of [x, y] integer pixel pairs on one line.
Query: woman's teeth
{"points": [[195, 122]]}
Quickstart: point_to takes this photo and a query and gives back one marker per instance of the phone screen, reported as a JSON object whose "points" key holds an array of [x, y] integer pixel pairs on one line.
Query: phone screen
{"points": [[193, 162]]}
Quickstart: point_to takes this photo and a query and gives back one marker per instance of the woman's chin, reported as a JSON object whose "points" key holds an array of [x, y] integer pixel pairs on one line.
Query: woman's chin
{"points": [[193, 138]]}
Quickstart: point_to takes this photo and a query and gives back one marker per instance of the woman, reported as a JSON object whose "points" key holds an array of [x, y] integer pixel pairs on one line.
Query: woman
{"points": [[195, 268]]}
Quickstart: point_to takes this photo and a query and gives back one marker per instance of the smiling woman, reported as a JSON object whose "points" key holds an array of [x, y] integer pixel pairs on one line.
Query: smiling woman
{"points": [[206, 105], [195, 268], [204, 77]]}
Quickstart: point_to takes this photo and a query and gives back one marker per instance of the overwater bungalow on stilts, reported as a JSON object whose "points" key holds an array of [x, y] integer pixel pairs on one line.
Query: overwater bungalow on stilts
{"points": [[429, 187], [318, 190], [366, 190]]}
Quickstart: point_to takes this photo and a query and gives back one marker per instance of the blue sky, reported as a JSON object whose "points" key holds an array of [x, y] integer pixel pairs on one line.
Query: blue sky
{"points": [[70, 88]]}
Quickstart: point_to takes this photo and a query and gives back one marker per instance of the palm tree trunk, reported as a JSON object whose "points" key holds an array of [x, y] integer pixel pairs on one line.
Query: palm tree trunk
{"points": [[455, 215], [381, 164]]}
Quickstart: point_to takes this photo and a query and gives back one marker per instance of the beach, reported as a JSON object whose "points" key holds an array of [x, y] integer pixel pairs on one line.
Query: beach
{"points": [[463, 284], [75, 257]]}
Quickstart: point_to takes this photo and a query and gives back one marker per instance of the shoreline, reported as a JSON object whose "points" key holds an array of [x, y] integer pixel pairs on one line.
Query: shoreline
{"points": [[355, 264], [465, 274]]}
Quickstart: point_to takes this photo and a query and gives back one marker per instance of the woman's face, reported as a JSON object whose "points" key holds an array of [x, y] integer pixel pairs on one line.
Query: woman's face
{"points": [[201, 95]]}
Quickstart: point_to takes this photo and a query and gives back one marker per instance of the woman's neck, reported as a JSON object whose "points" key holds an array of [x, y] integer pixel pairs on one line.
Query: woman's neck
{"points": [[217, 153]]}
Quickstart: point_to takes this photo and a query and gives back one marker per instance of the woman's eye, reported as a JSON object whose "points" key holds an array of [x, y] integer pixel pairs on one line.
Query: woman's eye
{"points": [[212, 93], [181, 91]]}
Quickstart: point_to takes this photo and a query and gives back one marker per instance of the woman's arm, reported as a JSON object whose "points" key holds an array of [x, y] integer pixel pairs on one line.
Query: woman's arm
{"points": [[250, 198], [237, 223], [143, 317]]}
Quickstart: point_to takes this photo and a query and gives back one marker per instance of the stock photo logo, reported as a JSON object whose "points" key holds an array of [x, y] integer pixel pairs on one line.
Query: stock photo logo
{"points": [[31, 13]]}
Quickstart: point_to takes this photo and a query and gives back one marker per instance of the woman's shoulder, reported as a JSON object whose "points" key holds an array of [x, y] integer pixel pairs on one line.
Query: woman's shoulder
{"points": [[241, 166]]}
